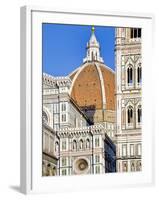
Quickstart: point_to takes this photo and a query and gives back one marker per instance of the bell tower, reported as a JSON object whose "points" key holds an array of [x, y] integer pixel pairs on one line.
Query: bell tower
{"points": [[128, 99]]}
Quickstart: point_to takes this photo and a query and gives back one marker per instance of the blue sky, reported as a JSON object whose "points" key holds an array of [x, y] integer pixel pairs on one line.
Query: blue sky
{"points": [[64, 46]]}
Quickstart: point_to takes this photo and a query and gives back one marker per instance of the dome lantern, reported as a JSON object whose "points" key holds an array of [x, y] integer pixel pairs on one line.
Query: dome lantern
{"points": [[93, 49]]}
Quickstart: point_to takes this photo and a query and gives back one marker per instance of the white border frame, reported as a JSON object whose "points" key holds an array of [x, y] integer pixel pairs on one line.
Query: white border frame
{"points": [[31, 73]]}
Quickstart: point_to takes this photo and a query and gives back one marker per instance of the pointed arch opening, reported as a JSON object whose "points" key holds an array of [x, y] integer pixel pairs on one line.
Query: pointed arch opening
{"points": [[139, 114], [139, 74], [74, 145], [81, 144], [130, 115], [87, 143], [130, 75]]}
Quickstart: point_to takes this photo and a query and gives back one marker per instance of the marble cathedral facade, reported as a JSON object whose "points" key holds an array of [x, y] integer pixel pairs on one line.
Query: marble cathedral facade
{"points": [[92, 117]]}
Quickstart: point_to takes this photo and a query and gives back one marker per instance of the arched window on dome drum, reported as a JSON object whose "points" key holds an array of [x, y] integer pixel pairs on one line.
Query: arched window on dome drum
{"points": [[130, 74], [87, 144], [139, 114], [130, 115], [139, 74], [81, 144], [74, 145]]}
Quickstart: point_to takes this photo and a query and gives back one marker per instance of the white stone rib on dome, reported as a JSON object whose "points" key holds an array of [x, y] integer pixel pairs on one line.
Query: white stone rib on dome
{"points": [[102, 85], [76, 75], [100, 77]]}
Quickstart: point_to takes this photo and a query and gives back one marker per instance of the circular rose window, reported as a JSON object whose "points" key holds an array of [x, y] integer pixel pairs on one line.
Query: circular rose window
{"points": [[81, 166]]}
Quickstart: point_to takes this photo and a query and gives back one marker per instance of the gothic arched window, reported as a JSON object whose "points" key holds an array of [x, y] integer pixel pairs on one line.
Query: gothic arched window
{"points": [[139, 114], [87, 144], [139, 74], [130, 115], [130, 75], [74, 146], [81, 144]]}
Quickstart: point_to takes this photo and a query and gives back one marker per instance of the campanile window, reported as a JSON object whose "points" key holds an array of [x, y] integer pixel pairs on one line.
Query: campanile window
{"points": [[135, 33], [130, 115], [139, 74], [139, 114], [130, 74]]}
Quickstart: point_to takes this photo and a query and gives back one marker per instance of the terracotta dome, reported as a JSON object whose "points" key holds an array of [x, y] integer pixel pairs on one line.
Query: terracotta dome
{"points": [[93, 85]]}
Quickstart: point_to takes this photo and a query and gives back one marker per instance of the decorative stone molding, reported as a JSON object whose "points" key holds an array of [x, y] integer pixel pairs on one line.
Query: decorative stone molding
{"points": [[61, 81], [81, 165]]}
